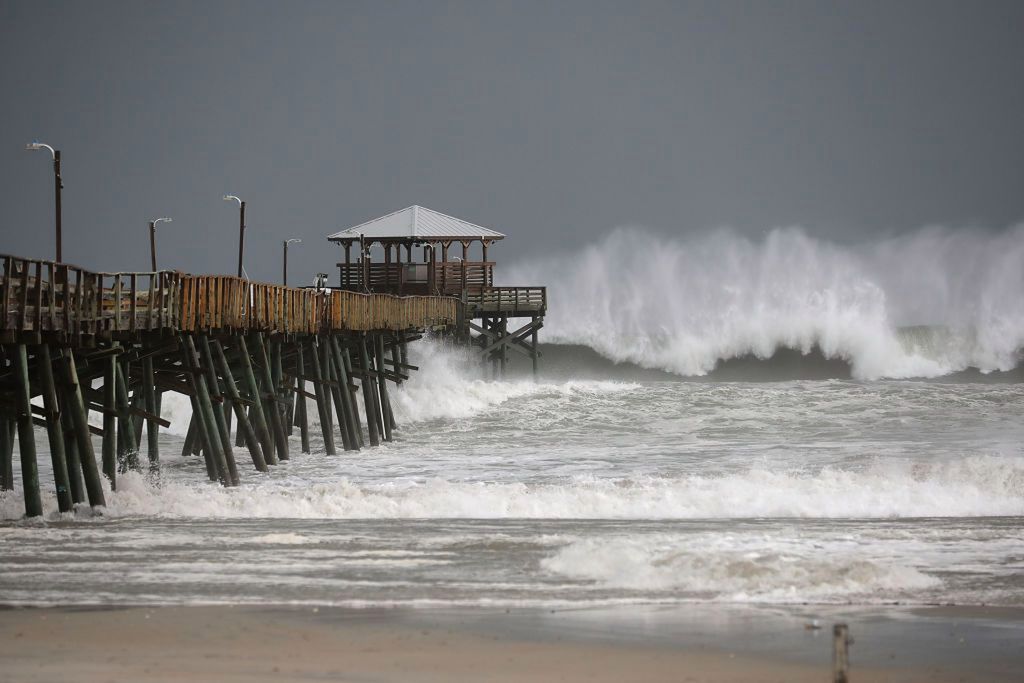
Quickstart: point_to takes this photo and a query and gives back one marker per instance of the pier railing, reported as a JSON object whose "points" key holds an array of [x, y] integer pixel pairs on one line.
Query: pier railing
{"points": [[513, 300], [232, 303], [43, 296], [38, 296], [355, 311], [451, 278]]}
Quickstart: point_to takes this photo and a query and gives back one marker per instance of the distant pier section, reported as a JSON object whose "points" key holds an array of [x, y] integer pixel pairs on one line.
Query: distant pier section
{"points": [[248, 355], [411, 252]]}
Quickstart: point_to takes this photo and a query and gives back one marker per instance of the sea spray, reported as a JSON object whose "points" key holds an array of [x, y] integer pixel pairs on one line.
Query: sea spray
{"points": [[685, 304]]}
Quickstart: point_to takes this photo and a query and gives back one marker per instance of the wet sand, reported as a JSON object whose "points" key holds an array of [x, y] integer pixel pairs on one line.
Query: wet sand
{"points": [[624, 644]]}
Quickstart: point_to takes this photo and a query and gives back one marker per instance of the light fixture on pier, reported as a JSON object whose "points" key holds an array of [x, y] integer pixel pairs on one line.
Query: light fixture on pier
{"points": [[152, 239], [58, 184], [285, 244], [241, 228]]}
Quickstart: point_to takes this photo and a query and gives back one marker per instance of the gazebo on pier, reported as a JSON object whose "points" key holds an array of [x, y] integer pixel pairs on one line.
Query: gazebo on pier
{"points": [[404, 269], [414, 248]]}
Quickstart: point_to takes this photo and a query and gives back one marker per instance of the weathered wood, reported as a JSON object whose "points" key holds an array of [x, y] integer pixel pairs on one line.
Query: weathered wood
{"points": [[372, 408], [300, 399], [192, 433], [252, 387], [387, 420], [208, 428], [70, 445], [322, 406], [533, 346], [213, 386], [110, 422], [245, 429], [353, 393], [270, 404], [840, 654], [54, 432], [336, 393], [26, 435], [128, 449], [6, 454], [80, 419], [150, 401], [351, 421]]}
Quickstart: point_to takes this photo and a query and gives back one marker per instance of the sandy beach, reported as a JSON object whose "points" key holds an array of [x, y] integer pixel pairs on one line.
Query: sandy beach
{"points": [[306, 644]]}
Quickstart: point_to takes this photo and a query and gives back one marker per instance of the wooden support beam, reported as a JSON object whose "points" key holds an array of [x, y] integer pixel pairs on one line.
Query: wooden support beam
{"points": [[192, 433], [74, 463], [213, 385], [353, 396], [387, 419], [110, 422], [337, 392], [300, 398], [153, 419], [54, 432], [129, 451], [260, 425], [270, 404], [208, 427], [244, 426], [80, 421], [351, 421], [368, 398], [26, 435], [322, 405], [7, 427]]}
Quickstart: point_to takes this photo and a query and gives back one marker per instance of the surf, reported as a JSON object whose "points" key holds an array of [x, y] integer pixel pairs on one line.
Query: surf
{"points": [[926, 304]]}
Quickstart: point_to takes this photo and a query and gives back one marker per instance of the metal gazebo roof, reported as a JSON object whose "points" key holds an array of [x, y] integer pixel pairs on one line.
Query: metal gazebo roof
{"points": [[417, 223]]}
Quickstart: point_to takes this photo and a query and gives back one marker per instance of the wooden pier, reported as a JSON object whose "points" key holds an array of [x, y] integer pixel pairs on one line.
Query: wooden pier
{"points": [[74, 341], [415, 245]]}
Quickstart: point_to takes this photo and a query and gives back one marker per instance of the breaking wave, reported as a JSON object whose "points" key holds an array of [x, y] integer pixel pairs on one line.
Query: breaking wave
{"points": [[766, 570], [976, 486], [925, 304]]}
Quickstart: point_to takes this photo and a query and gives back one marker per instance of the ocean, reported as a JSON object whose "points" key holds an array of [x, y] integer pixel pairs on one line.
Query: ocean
{"points": [[804, 438]]}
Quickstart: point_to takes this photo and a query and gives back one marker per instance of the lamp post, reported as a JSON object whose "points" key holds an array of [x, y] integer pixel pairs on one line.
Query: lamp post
{"points": [[58, 183], [241, 228], [152, 239], [285, 244]]}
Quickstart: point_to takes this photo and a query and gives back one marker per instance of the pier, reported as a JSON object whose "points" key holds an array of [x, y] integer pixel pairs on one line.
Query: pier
{"points": [[248, 355], [415, 256]]}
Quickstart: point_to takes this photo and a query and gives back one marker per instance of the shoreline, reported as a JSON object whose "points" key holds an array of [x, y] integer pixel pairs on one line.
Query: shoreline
{"points": [[681, 643]]}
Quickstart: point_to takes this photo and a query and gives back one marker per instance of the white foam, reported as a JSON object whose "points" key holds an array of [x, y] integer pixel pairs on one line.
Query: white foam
{"points": [[682, 305], [737, 569], [971, 487]]}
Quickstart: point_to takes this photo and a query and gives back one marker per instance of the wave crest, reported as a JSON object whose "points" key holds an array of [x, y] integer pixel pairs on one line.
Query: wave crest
{"points": [[684, 305], [974, 486]]}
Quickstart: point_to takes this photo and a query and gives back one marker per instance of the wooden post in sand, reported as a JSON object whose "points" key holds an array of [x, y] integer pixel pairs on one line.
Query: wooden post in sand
{"points": [[840, 653]]}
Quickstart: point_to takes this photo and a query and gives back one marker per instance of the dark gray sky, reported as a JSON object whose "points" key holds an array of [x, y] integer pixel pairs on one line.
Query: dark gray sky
{"points": [[553, 122]]}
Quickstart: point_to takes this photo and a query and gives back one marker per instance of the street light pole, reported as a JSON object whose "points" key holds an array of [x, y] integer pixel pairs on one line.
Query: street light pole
{"points": [[241, 228], [152, 239], [58, 184], [285, 243]]}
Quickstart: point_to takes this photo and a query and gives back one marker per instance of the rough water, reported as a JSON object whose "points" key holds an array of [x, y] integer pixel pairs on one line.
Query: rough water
{"points": [[855, 437], [573, 493]]}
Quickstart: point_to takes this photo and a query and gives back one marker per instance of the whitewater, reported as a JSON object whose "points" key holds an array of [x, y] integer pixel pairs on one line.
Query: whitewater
{"points": [[923, 304], [607, 483]]}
